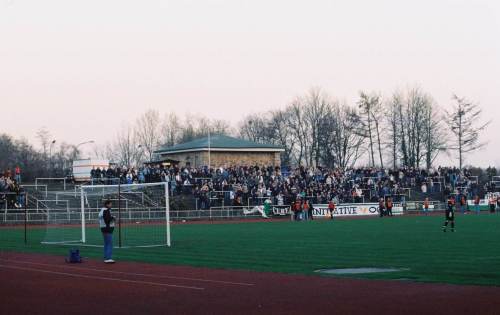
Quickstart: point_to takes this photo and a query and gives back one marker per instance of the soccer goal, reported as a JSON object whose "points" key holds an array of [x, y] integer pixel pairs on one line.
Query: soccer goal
{"points": [[141, 212]]}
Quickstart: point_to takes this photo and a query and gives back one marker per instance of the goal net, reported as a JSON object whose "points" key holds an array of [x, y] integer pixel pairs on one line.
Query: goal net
{"points": [[141, 213]]}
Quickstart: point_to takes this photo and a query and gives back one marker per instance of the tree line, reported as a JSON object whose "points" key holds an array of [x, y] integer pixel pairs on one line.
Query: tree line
{"points": [[50, 160], [406, 128], [136, 141]]}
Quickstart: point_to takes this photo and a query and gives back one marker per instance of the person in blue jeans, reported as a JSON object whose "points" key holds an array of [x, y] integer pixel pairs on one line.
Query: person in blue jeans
{"points": [[426, 206], [107, 225], [477, 201], [305, 210]]}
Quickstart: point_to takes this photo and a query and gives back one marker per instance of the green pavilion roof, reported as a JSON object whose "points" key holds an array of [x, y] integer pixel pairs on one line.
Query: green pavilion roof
{"points": [[221, 143]]}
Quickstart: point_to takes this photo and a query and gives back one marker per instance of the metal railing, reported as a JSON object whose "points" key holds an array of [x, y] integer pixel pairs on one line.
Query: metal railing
{"points": [[49, 179], [495, 180], [36, 188], [44, 203], [141, 214], [21, 207], [418, 206], [476, 179], [104, 181]]}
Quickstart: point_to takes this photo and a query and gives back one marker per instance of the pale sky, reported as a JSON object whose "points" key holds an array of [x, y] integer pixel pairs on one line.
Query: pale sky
{"points": [[82, 68]]}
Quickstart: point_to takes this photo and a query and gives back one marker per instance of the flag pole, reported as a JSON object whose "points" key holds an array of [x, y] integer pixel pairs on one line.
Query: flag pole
{"points": [[209, 158]]}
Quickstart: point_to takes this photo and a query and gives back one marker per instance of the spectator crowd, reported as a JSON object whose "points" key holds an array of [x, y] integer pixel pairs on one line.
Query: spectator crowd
{"points": [[250, 185], [11, 193]]}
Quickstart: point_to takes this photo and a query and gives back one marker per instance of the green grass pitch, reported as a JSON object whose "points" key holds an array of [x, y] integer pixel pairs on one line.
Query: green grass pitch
{"points": [[469, 256]]}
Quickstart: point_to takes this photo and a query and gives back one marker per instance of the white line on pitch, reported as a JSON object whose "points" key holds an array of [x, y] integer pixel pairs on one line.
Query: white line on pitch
{"points": [[101, 278], [133, 274]]}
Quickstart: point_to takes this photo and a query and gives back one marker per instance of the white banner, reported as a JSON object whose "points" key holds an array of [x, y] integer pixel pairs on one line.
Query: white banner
{"points": [[355, 209], [281, 210], [276, 211]]}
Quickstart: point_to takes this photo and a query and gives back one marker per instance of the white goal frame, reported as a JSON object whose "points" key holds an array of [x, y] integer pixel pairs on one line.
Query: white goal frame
{"points": [[167, 206]]}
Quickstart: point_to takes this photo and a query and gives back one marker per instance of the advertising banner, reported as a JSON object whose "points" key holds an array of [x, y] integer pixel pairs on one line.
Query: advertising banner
{"points": [[355, 209], [281, 210]]}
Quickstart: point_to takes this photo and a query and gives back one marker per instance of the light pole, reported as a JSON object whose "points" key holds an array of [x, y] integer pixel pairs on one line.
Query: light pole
{"points": [[80, 144], [50, 157], [209, 158], [138, 154]]}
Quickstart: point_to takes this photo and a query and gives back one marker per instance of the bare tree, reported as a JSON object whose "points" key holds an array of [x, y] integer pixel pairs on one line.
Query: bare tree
{"points": [[188, 130], [370, 117], [100, 151], [193, 127], [435, 135], [148, 131], [300, 130], [44, 136], [393, 110], [220, 127], [416, 133], [19, 152], [412, 119], [126, 148], [465, 125], [202, 126], [170, 129], [62, 158], [316, 107], [254, 128], [340, 140], [279, 128], [377, 114], [270, 127]]}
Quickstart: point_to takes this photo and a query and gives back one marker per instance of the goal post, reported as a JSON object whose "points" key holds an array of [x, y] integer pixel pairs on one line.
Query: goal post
{"points": [[82, 212], [167, 213], [141, 211]]}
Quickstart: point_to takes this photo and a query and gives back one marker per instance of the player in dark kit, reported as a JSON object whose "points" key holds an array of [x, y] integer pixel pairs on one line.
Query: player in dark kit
{"points": [[450, 214]]}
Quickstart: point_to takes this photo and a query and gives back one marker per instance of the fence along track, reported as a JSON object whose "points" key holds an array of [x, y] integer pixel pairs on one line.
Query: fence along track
{"points": [[131, 214]]}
